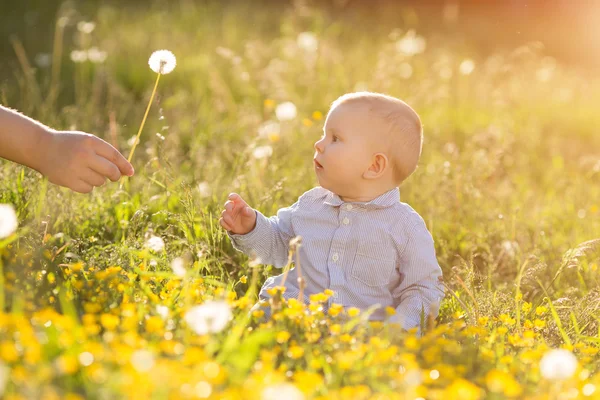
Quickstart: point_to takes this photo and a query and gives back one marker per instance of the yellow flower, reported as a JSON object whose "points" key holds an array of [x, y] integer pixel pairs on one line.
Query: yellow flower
{"points": [[463, 390], [8, 352], [67, 364], [539, 323], [411, 343], [154, 324], [541, 310], [109, 321], [526, 307], [258, 313], [334, 310], [482, 321], [307, 122], [318, 115], [283, 337], [295, 352], [335, 329], [501, 382], [353, 312], [328, 292], [390, 311], [269, 103], [244, 279]]}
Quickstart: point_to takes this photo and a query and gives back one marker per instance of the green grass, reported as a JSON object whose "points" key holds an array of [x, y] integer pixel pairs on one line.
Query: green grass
{"points": [[507, 184]]}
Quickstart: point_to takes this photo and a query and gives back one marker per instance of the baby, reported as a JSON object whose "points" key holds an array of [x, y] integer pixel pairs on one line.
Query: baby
{"points": [[358, 239]]}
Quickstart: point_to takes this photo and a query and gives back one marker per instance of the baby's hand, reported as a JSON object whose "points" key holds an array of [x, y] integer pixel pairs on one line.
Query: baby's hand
{"points": [[80, 161], [237, 217]]}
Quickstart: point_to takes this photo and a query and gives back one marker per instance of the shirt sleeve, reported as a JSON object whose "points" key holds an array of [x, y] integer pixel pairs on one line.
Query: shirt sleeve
{"points": [[420, 290], [270, 238]]}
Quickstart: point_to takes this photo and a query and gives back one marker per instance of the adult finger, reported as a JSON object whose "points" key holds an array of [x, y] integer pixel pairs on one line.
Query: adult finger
{"points": [[105, 168], [81, 187], [92, 177], [107, 151]]}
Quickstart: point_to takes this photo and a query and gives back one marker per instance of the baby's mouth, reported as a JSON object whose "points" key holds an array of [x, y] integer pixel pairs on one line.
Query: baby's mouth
{"points": [[317, 164]]}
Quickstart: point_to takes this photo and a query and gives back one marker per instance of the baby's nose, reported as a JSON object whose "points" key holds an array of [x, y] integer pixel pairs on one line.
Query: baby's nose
{"points": [[319, 146]]}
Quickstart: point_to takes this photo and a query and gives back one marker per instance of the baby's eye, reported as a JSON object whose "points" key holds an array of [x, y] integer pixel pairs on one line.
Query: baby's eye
{"points": [[335, 138]]}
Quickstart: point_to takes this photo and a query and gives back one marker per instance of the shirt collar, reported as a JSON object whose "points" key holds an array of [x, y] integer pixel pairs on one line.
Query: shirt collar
{"points": [[387, 199]]}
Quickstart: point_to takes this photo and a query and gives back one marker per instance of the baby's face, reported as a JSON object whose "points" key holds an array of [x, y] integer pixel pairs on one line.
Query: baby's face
{"points": [[346, 149]]}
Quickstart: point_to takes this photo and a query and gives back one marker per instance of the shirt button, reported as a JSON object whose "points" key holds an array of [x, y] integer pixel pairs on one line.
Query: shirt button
{"points": [[349, 207], [346, 221], [335, 257]]}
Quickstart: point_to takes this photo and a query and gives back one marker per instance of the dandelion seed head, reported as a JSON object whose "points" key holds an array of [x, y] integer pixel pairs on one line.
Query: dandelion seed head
{"points": [[178, 267], [79, 56], [96, 55], [286, 111], [142, 360], [8, 220], [162, 62], [308, 42], [155, 243], [204, 189], [558, 364], [282, 391], [210, 317], [262, 152], [86, 27]]}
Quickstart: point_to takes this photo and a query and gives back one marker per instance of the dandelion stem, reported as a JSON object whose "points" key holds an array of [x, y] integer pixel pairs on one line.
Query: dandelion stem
{"points": [[137, 138]]}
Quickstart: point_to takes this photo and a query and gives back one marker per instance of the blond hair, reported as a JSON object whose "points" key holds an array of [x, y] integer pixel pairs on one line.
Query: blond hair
{"points": [[405, 134]]}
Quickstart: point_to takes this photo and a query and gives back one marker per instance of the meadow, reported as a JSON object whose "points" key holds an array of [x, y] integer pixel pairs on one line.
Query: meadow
{"points": [[134, 291]]}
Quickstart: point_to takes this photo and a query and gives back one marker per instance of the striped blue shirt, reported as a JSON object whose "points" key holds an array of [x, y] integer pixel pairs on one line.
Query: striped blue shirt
{"points": [[368, 253]]}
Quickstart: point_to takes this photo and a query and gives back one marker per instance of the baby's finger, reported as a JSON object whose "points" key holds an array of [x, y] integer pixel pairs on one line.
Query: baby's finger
{"points": [[81, 187], [224, 224], [229, 205], [233, 196]]}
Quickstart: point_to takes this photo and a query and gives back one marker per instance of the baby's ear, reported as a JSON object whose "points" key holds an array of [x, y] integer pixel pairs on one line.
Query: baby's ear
{"points": [[379, 164]]}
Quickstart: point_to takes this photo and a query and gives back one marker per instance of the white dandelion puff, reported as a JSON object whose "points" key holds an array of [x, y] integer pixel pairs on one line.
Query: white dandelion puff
{"points": [[43, 60], [308, 42], [162, 62], [466, 67], [282, 391], [79, 56], [411, 44], [96, 55], [286, 111], [178, 267], [558, 364], [163, 311], [142, 360], [210, 317], [86, 27], [204, 189], [262, 152], [269, 128], [155, 243], [8, 220]]}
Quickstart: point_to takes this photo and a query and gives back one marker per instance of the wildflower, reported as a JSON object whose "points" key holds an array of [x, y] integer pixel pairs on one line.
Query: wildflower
{"points": [[162, 62], [282, 391], [295, 352], [558, 364], [262, 152], [317, 115], [210, 317], [86, 358], [86, 27], [96, 55], [43, 60], [466, 67], [463, 389], [541, 310], [308, 42], [353, 312], [79, 56], [286, 111], [411, 44], [177, 265], [142, 360], [155, 243], [8, 220]]}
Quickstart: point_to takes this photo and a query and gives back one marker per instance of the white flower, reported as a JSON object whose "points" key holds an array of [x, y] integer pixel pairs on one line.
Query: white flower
{"points": [[558, 364], [86, 27], [286, 111], [279, 391], [79, 56], [162, 62], [8, 220], [163, 311], [96, 55], [466, 67], [204, 189], [178, 267], [411, 44], [262, 152], [510, 247], [142, 360], [86, 358], [269, 128], [155, 243], [308, 41], [210, 317]]}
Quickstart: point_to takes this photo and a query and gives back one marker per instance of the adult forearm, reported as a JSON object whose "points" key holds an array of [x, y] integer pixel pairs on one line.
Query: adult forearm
{"points": [[21, 138]]}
